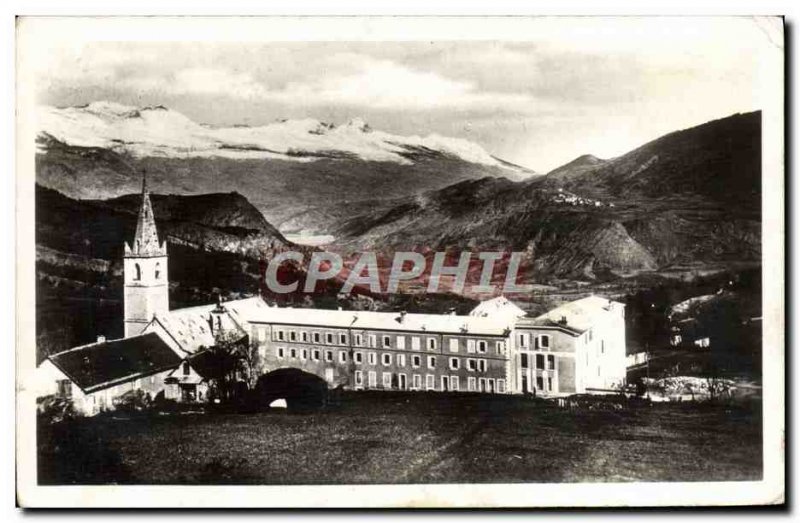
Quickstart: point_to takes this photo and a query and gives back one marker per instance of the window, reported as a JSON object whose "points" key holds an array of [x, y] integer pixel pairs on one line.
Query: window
{"points": [[187, 369], [304, 336], [158, 270], [549, 383], [281, 335], [401, 342], [387, 341], [342, 339], [454, 344], [402, 384], [430, 384], [64, 388], [358, 340], [416, 361], [373, 379], [329, 338], [490, 383], [500, 347], [280, 352], [482, 347], [373, 342], [482, 365], [415, 343], [386, 359], [328, 355], [292, 336], [471, 384], [416, 382], [471, 365], [359, 379], [539, 382], [602, 347], [387, 380], [431, 362], [293, 353], [358, 357], [522, 339], [501, 386], [551, 362], [453, 382], [342, 356], [372, 358], [431, 343], [453, 363], [445, 383], [471, 346], [304, 354], [401, 360], [316, 337], [316, 354], [540, 361], [590, 334], [138, 272], [523, 360], [544, 341]]}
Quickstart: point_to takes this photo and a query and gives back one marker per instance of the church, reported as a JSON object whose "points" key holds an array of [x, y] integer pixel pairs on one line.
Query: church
{"points": [[575, 348]]}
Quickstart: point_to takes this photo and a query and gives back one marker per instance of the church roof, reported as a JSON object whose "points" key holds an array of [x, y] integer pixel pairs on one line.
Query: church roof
{"points": [[191, 328], [145, 241], [100, 365]]}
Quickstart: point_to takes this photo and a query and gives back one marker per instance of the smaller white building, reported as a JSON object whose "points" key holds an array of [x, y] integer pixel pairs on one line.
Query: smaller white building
{"points": [[93, 376]]}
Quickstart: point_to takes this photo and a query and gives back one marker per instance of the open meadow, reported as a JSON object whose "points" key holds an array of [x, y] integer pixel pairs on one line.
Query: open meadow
{"points": [[410, 438]]}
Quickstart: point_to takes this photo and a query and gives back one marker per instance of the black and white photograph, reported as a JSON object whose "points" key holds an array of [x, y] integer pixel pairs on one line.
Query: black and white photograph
{"points": [[377, 262]]}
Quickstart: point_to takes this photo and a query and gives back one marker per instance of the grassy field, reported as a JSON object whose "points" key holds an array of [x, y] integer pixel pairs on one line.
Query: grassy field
{"points": [[396, 438]]}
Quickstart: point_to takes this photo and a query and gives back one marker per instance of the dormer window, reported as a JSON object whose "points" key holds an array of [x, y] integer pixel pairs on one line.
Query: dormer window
{"points": [[138, 272]]}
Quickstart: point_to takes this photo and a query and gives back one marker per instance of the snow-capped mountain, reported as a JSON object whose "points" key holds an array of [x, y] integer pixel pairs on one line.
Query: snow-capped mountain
{"points": [[161, 132]]}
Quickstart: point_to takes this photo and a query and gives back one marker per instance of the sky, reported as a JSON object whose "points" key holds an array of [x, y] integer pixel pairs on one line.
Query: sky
{"points": [[573, 87]]}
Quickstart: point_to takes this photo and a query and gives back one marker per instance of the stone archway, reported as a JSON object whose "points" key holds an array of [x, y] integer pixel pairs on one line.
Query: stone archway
{"points": [[303, 391]]}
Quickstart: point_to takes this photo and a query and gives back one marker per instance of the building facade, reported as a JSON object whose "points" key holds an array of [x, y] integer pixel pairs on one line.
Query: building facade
{"points": [[576, 348]]}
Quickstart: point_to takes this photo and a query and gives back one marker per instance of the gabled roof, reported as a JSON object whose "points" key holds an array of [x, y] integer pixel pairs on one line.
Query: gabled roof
{"points": [[576, 316], [499, 307], [191, 327], [98, 366]]}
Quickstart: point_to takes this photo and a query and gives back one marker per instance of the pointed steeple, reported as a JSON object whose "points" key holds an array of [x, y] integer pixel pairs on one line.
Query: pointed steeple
{"points": [[145, 242]]}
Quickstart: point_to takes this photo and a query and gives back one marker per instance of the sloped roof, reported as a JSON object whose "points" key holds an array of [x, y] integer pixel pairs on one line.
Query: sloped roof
{"points": [[387, 321], [497, 307], [191, 328], [577, 316], [104, 364]]}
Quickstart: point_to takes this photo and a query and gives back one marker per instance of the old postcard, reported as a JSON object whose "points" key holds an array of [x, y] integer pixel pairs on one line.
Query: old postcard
{"points": [[400, 262]]}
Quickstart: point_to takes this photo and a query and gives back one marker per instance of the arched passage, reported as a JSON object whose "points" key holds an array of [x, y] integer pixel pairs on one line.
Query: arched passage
{"points": [[302, 390]]}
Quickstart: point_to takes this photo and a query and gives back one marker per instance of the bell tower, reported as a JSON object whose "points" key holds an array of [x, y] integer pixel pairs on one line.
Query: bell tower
{"points": [[146, 282]]}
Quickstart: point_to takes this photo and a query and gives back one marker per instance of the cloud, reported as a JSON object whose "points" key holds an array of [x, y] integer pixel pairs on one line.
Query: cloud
{"points": [[386, 85]]}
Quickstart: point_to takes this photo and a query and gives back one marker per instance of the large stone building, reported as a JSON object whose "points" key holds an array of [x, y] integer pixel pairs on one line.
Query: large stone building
{"points": [[575, 348]]}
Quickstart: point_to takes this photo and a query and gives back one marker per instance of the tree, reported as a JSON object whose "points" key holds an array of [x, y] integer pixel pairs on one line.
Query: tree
{"points": [[227, 364]]}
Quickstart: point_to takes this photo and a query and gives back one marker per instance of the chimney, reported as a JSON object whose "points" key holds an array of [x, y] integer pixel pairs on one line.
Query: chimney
{"points": [[402, 316], [452, 311], [101, 338], [563, 320]]}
